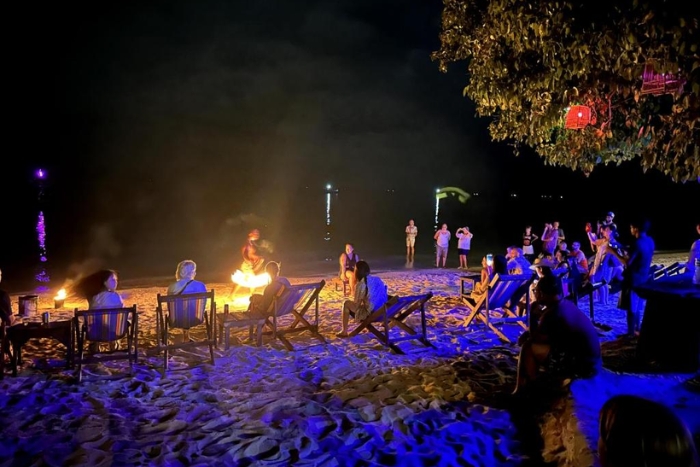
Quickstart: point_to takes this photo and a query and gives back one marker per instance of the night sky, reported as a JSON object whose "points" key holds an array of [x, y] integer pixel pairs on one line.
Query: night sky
{"points": [[165, 126]]}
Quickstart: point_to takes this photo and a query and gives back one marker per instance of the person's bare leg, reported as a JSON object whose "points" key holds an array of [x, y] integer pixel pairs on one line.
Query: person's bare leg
{"points": [[347, 305], [351, 281], [437, 259], [444, 260]]}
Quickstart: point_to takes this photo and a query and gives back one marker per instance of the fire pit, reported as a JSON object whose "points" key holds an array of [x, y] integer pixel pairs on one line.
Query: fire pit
{"points": [[59, 299]]}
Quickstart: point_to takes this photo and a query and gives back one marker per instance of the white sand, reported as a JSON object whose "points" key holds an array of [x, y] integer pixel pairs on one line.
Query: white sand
{"points": [[349, 402]]}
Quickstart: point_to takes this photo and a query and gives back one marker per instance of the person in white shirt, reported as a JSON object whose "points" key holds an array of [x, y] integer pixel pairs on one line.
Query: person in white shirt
{"points": [[411, 234], [99, 289], [442, 237], [370, 294], [184, 279], [464, 243]]}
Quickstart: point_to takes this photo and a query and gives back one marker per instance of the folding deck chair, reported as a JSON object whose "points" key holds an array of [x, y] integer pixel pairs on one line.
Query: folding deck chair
{"points": [[184, 312], [295, 301], [393, 314], [503, 293], [106, 326]]}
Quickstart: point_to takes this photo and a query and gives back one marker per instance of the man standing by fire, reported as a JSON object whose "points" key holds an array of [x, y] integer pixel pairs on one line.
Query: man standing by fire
{"points": [[252, 262]]}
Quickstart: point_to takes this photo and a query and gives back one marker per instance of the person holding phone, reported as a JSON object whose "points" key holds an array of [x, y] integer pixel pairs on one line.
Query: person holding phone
{"points": [[464, 243], [442, 239]]}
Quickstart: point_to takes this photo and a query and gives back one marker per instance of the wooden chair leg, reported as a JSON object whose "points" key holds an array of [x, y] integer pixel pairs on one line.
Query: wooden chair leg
{"points": [[165, 344]]}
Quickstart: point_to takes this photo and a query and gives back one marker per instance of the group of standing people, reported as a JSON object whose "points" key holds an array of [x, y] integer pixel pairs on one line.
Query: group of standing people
{"points": [[442, 243]]}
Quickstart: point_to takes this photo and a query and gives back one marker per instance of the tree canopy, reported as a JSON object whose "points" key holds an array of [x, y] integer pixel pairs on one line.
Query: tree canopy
{"points": [[528, 62]]}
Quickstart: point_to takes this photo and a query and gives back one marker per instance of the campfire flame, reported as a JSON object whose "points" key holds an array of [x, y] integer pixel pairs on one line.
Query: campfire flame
{"points": [[61, 295], [250, 280]]}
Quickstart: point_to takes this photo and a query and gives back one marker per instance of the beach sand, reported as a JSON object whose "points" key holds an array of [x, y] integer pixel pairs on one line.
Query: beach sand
{"points": [[347, 402]]}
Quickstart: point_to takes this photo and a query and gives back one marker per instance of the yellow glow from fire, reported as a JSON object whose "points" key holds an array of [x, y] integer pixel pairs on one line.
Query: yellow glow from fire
{"points": [[61, 295], [250, 280], [241, 302]]}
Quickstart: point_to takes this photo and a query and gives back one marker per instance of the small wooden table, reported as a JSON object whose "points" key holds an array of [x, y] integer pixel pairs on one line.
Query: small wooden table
{"points": [[242, 319], [670, 334], [19, 334]]}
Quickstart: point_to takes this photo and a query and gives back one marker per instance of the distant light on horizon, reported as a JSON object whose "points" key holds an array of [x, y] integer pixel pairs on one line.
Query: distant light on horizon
{"points": [[40, 173], [328, 186]]}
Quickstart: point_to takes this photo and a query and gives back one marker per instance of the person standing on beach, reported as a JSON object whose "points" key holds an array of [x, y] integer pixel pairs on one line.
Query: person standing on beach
{"points": [[442, 237], [252, 261], [463, 245], [550, 240], [411, 234], [528, 241], [637, 261]]}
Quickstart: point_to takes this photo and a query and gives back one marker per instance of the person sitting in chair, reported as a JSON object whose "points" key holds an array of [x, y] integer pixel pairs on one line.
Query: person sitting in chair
{"points": [[370, 295], [252, 261], [260, 303], [348, 261], [99, 289], [184, 279], [564, 337]]}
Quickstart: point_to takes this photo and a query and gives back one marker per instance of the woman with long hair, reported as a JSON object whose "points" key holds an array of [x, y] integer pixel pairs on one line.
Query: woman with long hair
{"points": [[99, 289]]}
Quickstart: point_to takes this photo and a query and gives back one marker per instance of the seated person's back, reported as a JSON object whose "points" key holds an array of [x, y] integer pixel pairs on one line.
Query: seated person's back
{"points": [[185, 283], [99, 289], [373, 290], [571, 336], [261, 303]]}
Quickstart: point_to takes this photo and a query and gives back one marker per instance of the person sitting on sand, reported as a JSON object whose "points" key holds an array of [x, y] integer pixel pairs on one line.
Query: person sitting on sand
{"points": [[6, 315], [99, 289], [637, 432], [184, 279], [370, 295], [348, 261], [252, 261], [564, 338], [260, 303]]}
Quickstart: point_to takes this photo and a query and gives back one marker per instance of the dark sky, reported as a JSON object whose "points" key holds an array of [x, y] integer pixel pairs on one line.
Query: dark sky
{"points": [[148, 113]]}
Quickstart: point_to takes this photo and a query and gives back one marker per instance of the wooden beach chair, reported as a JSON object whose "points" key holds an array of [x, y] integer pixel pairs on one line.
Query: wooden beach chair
{"points": [[503, 293], [393, 314], [669, 270], [106, 326], [185, 312], [295, 301]]}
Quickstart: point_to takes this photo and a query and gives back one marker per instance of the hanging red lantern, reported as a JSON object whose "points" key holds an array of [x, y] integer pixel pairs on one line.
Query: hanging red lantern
{"points": [[578, 117], [658, 84]]}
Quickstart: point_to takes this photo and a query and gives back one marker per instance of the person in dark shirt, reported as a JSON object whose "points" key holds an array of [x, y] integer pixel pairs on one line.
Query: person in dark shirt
{"points": [[260, 304], [637, 261], [6, 315], [564, 337]]}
